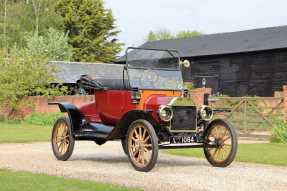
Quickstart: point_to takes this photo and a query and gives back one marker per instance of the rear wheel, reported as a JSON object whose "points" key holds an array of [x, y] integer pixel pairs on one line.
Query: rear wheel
{"points": [[220, 144], [62, 139], [142, 145]]}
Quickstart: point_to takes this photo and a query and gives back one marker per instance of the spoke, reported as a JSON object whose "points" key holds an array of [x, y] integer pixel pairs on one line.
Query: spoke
{"points": [[67, 136], [144, 133], [136, 133], [215, 152], [224, 140], [212, 133], [134, 139], [138, 158], [147, 145], [146, 139], [61, 129], [225, 132], [142, 157], [226, 151], [61, 147], [216, 132], [221, 154], [146, 150], [140, 133]]}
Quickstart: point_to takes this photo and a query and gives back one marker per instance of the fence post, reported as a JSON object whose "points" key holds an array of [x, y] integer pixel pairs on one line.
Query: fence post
{"points": [[284, 94], [245, 115]]}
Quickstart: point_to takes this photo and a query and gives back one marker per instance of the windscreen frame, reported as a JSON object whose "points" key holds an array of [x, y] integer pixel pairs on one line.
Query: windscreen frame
{"points": [[172, 53]]}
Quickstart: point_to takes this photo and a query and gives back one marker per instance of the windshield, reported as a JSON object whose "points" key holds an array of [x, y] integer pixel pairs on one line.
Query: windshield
{"points": [[154, 69]]}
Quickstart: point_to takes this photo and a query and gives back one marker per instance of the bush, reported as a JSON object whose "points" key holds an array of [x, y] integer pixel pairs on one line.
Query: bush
{"points": [[53, 45], [279, 132], [45, 119]]}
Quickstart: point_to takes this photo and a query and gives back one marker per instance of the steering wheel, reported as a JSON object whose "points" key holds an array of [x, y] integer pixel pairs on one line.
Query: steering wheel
{"points": [[149, 78]]}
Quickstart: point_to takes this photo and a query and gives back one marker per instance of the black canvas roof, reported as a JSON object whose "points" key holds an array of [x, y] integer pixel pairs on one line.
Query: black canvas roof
{"points": [[70, 72], [225, 43]]}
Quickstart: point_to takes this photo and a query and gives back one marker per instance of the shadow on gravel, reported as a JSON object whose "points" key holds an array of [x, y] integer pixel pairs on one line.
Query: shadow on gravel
{"points": [[124, 159]]}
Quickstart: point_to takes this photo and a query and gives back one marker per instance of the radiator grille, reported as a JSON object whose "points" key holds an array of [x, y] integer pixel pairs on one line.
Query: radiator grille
{"points": [[184, 118]]}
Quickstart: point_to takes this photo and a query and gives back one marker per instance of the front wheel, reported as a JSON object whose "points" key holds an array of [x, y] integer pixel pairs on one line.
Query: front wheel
{"points": [[142, 145], [62, 139], [220, 145]]}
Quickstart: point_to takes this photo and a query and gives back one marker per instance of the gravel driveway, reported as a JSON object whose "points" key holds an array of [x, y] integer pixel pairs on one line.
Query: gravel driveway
{"points": [[107, 163]]}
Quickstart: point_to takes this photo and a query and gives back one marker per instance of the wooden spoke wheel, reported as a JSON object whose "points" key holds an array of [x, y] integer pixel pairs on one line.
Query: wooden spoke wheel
{"points": [[62, 139], [220, 143], [142, 145]]}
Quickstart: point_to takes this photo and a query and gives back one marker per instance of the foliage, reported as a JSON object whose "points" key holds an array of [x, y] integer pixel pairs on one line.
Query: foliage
{"points": [[264, 153], [20, 132], [26, 181], [26, 16], [91, 30], [187, 34], [24, 73], [164, 34], [160, 35], [45, 119], [279, 132], [53, 45]]}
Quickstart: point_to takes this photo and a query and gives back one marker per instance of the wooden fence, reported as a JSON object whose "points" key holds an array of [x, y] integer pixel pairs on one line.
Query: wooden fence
{"points": [[250, 113]]}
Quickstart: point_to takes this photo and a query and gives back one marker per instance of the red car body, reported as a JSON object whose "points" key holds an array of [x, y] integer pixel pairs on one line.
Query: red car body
{"points": [[110, 106]]}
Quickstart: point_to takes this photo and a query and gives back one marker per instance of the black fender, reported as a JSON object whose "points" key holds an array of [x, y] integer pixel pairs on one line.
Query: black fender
{"points": [[75, 115], [122, 126]]}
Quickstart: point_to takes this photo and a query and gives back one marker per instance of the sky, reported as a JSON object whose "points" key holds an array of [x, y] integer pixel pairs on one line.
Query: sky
{"points": [[135, 18]]}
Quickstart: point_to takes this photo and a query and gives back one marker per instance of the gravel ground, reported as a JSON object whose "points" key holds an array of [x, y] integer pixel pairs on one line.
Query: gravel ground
{"points": [[107, 163]]}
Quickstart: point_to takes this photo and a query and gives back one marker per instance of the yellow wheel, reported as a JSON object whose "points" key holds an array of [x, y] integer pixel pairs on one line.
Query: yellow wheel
{"points": [[142, 145], [220, 143], [62, 139]]}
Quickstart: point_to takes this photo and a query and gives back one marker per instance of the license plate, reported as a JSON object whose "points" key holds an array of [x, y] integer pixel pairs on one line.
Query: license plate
{"points": [[181, 139]]}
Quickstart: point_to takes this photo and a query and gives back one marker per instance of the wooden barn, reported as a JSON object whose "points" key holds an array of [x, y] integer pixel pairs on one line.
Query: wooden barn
{"points": [[245, 63]]}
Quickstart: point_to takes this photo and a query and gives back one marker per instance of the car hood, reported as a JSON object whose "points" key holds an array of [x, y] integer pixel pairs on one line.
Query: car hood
{"points": [[154, 101]]}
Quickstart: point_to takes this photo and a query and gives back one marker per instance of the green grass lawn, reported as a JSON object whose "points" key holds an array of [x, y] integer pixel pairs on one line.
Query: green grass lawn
{"points": [[23, 132], [25, 181], [264, 153]]}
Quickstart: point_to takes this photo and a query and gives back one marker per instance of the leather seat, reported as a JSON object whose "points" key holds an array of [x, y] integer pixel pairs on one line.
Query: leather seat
{"points": [[88, 82]]}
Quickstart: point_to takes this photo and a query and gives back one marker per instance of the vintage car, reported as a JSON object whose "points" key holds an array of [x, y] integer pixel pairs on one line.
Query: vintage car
{"points": [[138, 107]]}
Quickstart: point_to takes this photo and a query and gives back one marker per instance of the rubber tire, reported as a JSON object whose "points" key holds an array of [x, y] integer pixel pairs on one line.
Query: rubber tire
{"points": [[233, 152], [70, 149], [124, 145], [154, 142]]}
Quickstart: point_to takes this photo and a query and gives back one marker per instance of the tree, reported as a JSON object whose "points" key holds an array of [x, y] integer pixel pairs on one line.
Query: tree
{"points": [[91, 28], [187, 34], [25, 16], [53, 45], [164, 34], [159, 35]]}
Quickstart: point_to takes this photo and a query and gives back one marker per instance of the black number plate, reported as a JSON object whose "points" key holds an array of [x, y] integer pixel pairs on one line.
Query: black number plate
{"points": [[181, 139]]}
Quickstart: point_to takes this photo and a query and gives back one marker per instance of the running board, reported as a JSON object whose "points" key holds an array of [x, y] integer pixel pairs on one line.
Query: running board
{"points": [[180, 146], [93, 131]]}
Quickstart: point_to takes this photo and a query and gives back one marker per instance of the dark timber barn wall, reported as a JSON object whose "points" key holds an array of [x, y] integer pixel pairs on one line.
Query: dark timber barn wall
{"points": [[243, 63], [255, 74]]}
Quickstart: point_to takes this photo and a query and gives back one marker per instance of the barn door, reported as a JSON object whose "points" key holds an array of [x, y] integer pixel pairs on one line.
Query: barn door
{"points": [[206, 74]]}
